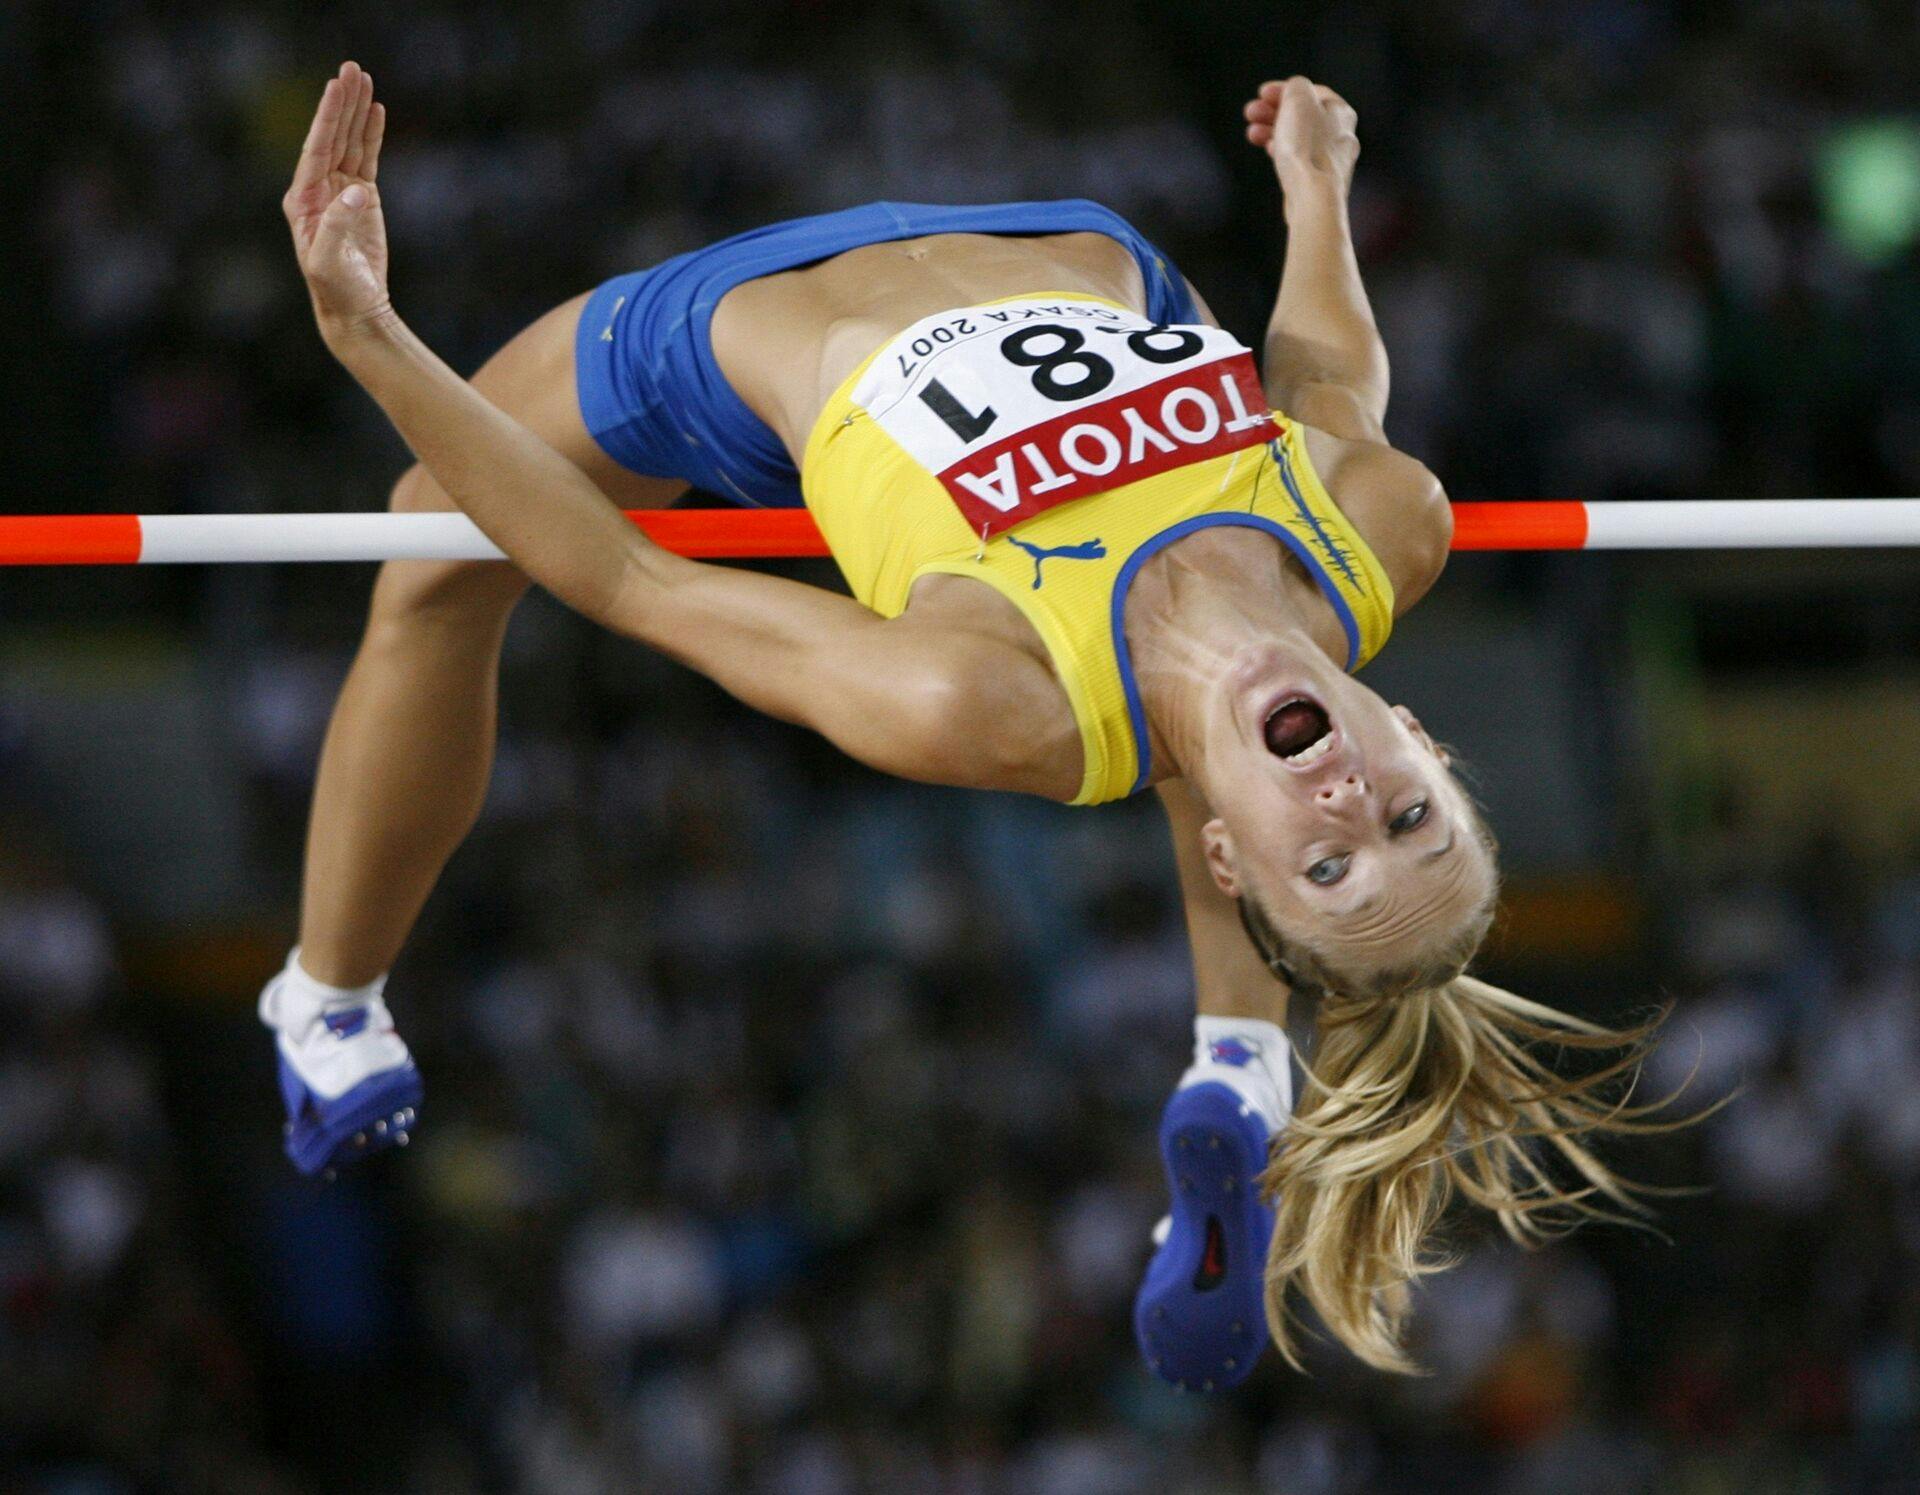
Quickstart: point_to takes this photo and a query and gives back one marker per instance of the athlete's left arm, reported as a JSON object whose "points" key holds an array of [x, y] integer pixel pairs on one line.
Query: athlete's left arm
{"points": [[940, 704]]}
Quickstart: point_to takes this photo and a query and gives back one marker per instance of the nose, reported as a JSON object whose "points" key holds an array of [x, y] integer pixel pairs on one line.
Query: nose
{"points": [[1342, 794]]}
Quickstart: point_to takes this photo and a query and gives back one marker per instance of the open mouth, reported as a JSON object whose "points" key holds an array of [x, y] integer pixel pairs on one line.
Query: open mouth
{"points": [[1299, 731]]}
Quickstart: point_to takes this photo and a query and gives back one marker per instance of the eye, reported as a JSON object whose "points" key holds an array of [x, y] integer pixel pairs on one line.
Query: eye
{"points": [[1414, 816], [1329, 870]]}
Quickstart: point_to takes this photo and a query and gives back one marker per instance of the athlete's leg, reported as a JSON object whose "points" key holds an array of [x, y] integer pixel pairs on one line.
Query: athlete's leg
{"points": [[1199, 1315], [410, 746], [402, 775]]}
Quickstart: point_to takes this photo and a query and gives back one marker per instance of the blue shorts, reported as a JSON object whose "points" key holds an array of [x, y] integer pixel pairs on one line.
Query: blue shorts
{"points": [[655, 399]]}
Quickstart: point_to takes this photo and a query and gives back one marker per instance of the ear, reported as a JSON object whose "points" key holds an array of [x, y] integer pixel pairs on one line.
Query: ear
{"points": [[1216, 841]]}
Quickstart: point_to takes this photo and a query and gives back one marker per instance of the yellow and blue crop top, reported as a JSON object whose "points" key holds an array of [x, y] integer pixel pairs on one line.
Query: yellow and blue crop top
{"points": [[1048, 445]]}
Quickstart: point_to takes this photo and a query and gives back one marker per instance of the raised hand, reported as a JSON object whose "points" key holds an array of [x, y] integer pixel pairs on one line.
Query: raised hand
{"points": [[333, 206], [1305, 127]]}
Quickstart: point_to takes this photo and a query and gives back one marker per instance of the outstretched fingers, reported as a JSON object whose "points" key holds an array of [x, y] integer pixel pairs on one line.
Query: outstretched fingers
{"points": [[354, 135], [317, 155], [348, 82], [376, 133]]}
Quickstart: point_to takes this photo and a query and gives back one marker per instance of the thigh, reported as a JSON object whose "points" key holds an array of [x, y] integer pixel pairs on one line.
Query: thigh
{"points": [[532, 378]]}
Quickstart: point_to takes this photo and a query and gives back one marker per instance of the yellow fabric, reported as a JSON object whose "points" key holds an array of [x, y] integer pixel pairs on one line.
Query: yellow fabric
{"points": [[889, 521]]}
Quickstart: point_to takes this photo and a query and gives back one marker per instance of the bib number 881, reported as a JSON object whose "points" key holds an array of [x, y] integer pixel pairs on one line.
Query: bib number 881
{"points": [[1068, 352]]}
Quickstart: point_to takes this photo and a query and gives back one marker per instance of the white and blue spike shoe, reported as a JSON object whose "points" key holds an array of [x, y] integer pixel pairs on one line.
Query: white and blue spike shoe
{"points": [[349, 1084], [1200, 1315]]}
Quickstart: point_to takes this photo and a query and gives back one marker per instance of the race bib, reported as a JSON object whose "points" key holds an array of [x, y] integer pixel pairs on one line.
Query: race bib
{"points": [[1028, 404]]}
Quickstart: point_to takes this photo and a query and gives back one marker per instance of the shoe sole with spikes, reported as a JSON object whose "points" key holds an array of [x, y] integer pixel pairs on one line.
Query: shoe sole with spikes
{"points": [[323, 1135], [1200, 1315]]}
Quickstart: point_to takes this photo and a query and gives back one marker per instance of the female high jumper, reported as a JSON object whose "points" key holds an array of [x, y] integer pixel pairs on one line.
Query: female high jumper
{"points": [[1089, 554]]}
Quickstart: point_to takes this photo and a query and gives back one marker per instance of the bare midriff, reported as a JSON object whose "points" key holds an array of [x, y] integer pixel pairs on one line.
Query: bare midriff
{"points": [[786, 342]]}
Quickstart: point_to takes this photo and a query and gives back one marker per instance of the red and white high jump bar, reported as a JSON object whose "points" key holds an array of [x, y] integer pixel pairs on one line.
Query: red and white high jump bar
{"points": [[208, 539]]}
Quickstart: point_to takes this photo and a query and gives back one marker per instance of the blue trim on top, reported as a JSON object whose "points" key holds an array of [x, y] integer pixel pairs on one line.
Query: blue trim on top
{"points": [[1123, 656]]}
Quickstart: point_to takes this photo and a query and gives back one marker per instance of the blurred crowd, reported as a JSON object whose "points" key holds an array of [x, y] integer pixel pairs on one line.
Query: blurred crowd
{"points": [[772, 1147], [788, 1131]]}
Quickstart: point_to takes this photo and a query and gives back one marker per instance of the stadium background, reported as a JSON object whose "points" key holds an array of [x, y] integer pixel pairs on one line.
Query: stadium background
{"points": [[788, 1130]]}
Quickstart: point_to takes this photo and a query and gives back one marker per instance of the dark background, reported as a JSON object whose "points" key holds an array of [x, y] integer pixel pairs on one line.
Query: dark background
{"points": [[789, 1130]]}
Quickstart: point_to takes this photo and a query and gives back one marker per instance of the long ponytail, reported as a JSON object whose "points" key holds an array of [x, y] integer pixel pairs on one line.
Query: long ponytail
{"points": [[1419, 1093]]}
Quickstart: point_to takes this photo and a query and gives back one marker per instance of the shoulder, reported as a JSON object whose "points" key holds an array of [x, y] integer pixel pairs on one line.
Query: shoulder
{"points": [[1395, 502]]}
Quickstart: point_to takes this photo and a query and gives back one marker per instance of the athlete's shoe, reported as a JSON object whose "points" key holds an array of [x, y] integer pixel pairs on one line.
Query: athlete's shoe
{"points": [[1199, 1315], [349, 1084]]}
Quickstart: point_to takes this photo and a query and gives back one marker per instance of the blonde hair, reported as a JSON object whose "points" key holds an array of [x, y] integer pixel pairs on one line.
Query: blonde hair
{"points": [[1430, 1083]]}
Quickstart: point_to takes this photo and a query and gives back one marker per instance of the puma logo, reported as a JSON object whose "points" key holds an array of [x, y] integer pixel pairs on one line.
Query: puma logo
{"points": [[1086, 550]]}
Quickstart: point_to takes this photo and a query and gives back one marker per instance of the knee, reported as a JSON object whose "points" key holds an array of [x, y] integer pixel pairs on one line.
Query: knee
{"points": [[464, 591], [417, 493]]}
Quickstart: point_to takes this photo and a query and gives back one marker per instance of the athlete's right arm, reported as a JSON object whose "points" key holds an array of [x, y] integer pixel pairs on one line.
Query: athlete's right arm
{"points": [[1324, 363], [913, 699]]}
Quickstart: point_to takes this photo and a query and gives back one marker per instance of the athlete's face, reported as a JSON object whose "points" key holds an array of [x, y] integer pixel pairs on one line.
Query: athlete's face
{"points": [[1340, 816]]}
